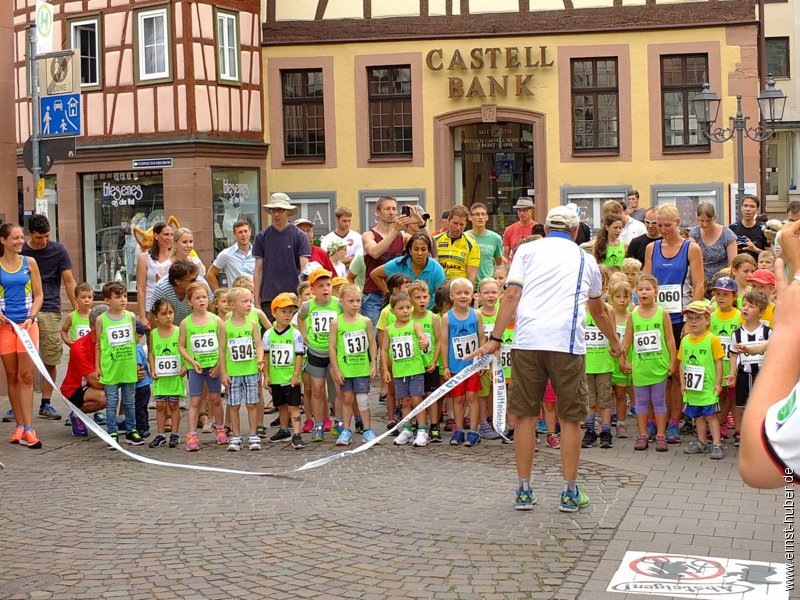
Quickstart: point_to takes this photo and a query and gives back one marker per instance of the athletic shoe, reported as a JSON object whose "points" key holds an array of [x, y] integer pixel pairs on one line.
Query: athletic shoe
{"points": [[404, 438], [473, 438], [641, 443], [222, 437], [525, 500], [261, 431], [651, 431], [687, 428], [422, 439], [435, 435], [552, 441], [159, 440], [487, 432], [717, 452], [695, 447], [606, 441], [661, 444], [450, 425], [673, 433], [318, 435], [589, 439], [622, 430], [78, 426], [99, 418], [17, 435], [235, 444], [573, 502], [729, 421], [344, 438], [359, 425], [391, 425], [509, 439], [382, 398], [133, 438], [297, 442], [115, 437], [174, 440], [208, 426], [192, 443], [458, 438], [337, 428], [368, 435], [46, 411], [327, 424], [724, 432], [736, 438], [282, 435], [275, 422], [122, 427], [308, 426], [227, 429], [145, 433], [254, 443], [9, 416], [541, 427], [632, 410]]}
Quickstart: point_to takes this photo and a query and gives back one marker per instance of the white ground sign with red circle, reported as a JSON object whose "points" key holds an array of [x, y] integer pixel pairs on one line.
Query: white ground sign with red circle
{"points": [[682, 576]]}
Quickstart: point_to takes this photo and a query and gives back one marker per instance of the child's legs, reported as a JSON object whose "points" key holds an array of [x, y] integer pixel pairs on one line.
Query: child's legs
{"points": [[175, 412], [129, 404], [391, 401], [458, 411], [112, 403], [643, 393], [194, 410], [161, 415], [141, 400], [362, 409], [716, 428], [725, 403], [701, 423], [196, 396], [348, 398], [233, 410], [658, 401], [334, 397], [318, 408], [253, 414], [260, 409], [620, 402], [215, 397], [550, 416], [305, 380], [474, 408], [283, 415]]}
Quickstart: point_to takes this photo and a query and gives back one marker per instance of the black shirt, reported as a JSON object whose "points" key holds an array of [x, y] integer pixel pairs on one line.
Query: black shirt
{"points": [[52, 260], [584, 234], [638, 246], [755, 234]]}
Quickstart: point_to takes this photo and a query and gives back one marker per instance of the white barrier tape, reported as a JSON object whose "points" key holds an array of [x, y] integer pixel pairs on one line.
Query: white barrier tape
{"points": [[499, 399], [30, 348]]}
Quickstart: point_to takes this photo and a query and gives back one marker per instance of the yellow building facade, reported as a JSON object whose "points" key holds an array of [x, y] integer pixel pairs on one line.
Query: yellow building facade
{"points": [[436, 110]]}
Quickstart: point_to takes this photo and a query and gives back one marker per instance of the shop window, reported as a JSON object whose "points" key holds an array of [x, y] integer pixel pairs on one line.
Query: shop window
{"points": [[153, 45], [682, 76], [303, 114], [778, 56], [368, 200], [235, 197], [317, 207], [590, 200], [687, 197], [595, 104], [228, 47], [85, 38], [113, 204], [390, 126]]}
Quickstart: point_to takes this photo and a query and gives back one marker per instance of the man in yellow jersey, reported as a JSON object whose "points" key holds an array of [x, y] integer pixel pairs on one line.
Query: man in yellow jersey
{"points": [[459, 253]]}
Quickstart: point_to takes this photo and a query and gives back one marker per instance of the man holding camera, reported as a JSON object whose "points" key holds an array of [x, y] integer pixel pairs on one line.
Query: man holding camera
{"points": [[750, 233]]}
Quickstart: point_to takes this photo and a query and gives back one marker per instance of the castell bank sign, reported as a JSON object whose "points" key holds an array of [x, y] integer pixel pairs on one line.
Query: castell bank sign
{"points": [[518, 60]]}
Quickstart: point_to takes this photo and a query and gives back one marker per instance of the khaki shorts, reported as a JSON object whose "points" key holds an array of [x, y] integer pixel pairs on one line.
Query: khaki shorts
{"points": [[566, 372], [600, 392], [51, 346]]}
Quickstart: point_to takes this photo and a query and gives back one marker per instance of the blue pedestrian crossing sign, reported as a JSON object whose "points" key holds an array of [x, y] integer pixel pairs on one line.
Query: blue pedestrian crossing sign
{"points": [[60, 115]]}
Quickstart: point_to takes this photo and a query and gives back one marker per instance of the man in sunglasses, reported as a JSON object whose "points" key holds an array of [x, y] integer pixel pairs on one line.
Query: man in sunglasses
{"points": [[638, 245]]}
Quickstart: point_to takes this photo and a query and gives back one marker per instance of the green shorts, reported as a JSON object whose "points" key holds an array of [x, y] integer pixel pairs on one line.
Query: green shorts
{"points": [[621, 380], [486, 384]]}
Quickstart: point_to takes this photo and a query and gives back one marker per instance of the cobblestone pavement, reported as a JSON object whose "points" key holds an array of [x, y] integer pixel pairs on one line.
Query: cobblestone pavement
{"points": [[80, 521]]}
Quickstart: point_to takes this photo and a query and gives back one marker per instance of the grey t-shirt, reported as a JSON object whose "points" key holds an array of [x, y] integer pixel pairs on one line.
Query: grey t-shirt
{"points": [[281, 251]]}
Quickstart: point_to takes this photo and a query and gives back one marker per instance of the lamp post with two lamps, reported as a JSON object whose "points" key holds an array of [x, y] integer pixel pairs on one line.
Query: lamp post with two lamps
{"points": [[771, 103]]}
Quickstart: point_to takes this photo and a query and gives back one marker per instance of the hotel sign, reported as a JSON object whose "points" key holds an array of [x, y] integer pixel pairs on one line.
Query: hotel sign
{"points": [[524, 59]]}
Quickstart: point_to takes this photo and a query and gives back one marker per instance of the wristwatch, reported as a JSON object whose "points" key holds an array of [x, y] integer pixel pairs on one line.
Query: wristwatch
{"points": [[496, 339]]}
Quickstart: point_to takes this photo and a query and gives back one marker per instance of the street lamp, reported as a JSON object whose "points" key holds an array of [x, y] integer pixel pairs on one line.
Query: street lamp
{"points": [[771, 103]]}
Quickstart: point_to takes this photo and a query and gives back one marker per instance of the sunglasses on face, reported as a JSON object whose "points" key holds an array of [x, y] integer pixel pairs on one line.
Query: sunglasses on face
{"points": [[646, 222]]}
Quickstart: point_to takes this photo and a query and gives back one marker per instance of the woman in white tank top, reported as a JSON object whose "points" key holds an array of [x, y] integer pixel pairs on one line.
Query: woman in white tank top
{"points": [[151, 265]]}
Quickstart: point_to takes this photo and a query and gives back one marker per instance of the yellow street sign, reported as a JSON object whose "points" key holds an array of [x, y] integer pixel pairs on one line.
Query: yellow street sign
{"points": [[40, 188]]}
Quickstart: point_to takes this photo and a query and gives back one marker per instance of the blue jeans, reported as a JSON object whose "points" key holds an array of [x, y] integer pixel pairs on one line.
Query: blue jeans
{"points": [[371, 306], [128, 391]]}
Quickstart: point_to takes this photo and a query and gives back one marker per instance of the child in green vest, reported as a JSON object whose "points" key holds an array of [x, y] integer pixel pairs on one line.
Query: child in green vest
{"points": [[488, 294], [314, 321], [198, 343], [700, 362], [724, 321], [167, 370], [354, 361], [76, 324], [284, 349], [398, 282], [599, 369], [432, 326], [403, 364], [244, 359], [115, 360]]}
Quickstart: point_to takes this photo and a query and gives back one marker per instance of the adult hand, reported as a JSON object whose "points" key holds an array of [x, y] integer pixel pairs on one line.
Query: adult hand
{"points": [[790, 248], [616, 348], [490, 347], [401, 223], [140, 372]]}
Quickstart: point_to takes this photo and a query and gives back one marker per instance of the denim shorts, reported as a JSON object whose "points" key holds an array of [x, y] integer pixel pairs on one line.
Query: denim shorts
{"points": [[406, 387], [243, 390], [359, 385], [196, 381]]}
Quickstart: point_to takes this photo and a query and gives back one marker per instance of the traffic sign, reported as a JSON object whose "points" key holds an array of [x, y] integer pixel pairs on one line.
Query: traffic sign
{"points": [[59, 73], [151, 163], [44, 27], [60, 115]]}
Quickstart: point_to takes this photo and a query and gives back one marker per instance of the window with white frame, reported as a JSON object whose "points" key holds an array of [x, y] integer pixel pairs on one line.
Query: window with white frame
{"points": [[85, 38], [368, 200], [590, 200], [153, 44], [687, 197], [228, 46]]}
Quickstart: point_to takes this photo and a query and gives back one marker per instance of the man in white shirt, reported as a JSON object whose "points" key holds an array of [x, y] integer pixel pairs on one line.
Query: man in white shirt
{"points": [[631, 228], [550, 284], [235, 260], [343, 233]]}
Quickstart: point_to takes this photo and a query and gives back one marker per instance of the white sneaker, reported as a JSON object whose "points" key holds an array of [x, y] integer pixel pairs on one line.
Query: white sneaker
{"points": [[422, 438], [235, 444], [254, 443], [404, 438], [208, 427]]}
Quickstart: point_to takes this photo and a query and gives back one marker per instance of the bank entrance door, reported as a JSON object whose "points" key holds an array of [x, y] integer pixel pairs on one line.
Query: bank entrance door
{"points": [[494, 165]]}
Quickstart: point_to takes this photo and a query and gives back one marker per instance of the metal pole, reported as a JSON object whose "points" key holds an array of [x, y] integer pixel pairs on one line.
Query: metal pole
{"points": [[738, 125], [33, 70]]}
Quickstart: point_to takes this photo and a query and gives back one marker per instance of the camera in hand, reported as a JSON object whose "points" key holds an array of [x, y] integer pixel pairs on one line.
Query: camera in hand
{"points": [[405, 211]]}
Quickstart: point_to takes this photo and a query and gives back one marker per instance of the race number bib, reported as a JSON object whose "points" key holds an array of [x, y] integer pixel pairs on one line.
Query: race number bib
{"points": [[725, 340], [119, 335], [595, 338], [647, 341], [693, 377], [621, 331], [402, 347], [204, 343], [167, 366], [505, 356], [82, 330], [464, 345], [241, 349], [281, 355], [429, 349], [321, 321], [751, 359], [355, 342], [488, 328], [669, 297]]}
